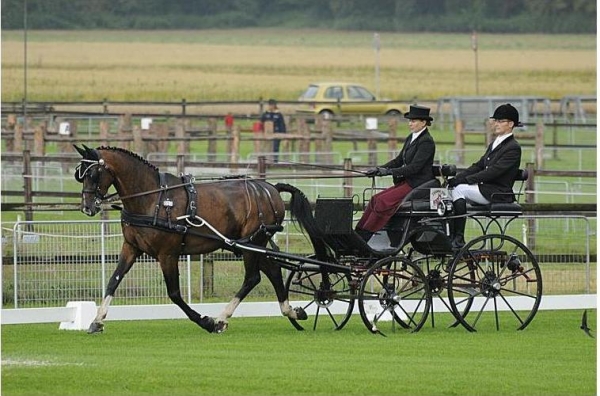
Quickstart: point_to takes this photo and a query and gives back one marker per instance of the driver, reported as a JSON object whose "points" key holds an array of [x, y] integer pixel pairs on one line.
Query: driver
{"points": [[411, 168]]}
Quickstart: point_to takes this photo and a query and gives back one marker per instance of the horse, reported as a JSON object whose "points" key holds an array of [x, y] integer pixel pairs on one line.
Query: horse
{"points": [[166, 216]]}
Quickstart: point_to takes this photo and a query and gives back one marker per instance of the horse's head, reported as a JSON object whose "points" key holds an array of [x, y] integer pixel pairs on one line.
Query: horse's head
{"points": [[96, 178]]}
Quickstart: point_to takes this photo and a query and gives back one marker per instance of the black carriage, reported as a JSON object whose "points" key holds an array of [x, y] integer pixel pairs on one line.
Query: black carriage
{"points": [[409, 271]]}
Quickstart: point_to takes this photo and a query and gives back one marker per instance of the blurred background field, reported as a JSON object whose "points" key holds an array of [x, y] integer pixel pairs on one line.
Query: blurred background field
{"points": [[246, 64]]}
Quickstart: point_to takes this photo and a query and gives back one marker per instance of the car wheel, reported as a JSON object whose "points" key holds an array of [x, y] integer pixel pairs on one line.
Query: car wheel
{"points": [[326, 114]]}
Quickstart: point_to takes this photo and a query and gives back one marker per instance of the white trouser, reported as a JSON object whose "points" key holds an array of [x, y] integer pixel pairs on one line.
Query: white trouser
{"points": [[469, 192]]}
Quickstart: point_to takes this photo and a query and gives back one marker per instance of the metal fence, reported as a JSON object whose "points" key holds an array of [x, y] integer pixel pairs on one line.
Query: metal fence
{"points": [[49, 263]]}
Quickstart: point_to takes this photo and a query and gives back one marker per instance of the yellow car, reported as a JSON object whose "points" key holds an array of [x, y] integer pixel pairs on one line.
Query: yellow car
{"points": [[338, 98]]}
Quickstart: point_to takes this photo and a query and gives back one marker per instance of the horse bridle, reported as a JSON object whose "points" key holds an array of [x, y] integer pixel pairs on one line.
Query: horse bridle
{"points": [[81, 173]]}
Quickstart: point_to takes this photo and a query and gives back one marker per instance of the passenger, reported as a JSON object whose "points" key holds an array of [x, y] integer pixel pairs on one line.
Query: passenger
{"points": [[492, 177], [411, 168]]}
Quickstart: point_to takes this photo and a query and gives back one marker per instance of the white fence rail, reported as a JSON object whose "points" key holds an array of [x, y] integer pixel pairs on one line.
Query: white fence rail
{"points": [[47, 264]]}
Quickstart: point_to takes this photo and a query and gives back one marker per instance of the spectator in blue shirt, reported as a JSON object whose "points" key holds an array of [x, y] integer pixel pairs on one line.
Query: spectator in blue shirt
{"points": [[273, 114]]}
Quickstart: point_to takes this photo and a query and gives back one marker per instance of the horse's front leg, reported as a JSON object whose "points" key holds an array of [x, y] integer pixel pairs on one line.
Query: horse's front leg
{"points": [[170, 270], [127, 257]]}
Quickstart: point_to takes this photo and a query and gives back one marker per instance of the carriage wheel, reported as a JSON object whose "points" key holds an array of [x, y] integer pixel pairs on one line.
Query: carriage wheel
{"points": [[327, 297], [394, 295], [507, 288], [436, 273]]}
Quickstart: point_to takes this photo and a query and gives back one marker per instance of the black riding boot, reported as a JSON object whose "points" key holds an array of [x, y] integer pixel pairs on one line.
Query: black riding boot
{"points": [[458, 227]]}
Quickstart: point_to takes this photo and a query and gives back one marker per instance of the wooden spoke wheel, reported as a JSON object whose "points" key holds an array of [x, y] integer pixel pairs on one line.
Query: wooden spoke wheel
{"points": [[499, 279], [394, 296], [327, 297]]}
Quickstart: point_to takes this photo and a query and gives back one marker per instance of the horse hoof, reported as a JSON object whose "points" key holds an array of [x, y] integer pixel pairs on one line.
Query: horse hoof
{"points": [[220, 327], [300, 313], [96, 327]]}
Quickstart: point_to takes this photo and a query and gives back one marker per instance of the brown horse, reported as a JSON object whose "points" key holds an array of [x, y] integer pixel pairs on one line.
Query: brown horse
{"points": [[166, 216]]}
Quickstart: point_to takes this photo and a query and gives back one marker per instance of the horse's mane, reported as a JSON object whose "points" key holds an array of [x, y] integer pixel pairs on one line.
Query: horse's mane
{"points": [[134, 155]]}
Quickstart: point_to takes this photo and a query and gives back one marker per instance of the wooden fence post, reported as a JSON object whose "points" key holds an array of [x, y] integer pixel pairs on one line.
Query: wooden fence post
{"points": [[539, 145], [286, 145], [267, 135], [392, 134], [234, 152], [138, 142], [11, 122], [347, 183], [18, 139], [125, 130], [262, 167], [304, 144], [104, 130], [459, 141], [212, 142], [327, 133], [39, 135], [161, 131], [319, 128], [180, 134], [180, 160], [27, 184]]}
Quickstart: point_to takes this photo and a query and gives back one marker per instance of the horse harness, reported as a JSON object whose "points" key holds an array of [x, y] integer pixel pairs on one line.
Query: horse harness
{"points": [[187, 223]]}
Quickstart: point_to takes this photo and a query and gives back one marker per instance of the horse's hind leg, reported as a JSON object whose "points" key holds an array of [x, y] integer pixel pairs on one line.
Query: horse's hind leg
{"points": [[127, 257], [251, 279], [170, 269], [273, 273]]}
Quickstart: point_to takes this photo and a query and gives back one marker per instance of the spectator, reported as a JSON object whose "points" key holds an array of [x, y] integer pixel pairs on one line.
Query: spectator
{"points": [[273, 114]]}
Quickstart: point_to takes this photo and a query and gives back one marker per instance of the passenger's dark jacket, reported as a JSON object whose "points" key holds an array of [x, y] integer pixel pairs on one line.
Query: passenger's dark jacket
{"points": [[496, 170], [415, 161]]}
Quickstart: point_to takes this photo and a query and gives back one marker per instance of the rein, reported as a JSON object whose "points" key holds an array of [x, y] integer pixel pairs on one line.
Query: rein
{"points": [[115, 197]]}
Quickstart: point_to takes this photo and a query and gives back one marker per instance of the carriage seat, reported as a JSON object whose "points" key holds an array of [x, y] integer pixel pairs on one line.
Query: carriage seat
{"points": [[334, 218], [502, 208]]}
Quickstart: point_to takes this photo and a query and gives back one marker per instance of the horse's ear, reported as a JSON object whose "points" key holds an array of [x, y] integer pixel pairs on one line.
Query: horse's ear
{"points": [[80, 151], [90, 153]]}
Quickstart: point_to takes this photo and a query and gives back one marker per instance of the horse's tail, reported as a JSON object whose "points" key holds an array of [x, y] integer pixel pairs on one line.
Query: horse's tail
{"points": [[301, 210]]}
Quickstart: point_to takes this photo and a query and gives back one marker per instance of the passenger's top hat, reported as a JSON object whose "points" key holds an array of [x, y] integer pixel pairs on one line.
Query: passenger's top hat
{"points": [[507, 112], [418, 113]]}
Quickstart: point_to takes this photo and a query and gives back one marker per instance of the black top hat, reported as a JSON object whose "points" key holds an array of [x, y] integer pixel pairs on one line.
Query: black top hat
{"points": [[507, 112], [418, 113]]}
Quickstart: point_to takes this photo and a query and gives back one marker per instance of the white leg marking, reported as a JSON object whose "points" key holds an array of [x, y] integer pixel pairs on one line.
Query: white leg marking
{"points": [[287, 310], [229, 310], [103, 309]]}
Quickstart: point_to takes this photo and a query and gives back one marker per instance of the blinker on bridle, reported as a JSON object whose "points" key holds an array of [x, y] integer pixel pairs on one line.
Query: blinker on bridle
{"points": [[81, 172]]}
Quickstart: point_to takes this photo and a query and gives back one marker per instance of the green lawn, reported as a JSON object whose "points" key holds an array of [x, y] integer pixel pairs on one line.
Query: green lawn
{"points": [[265, 356]]}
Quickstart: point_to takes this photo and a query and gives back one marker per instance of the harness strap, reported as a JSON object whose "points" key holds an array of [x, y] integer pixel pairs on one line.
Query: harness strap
{"points": [[192, 193]]}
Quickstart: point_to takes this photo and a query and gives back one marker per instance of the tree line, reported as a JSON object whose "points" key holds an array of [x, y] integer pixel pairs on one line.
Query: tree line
{"points": [[491, 16]]}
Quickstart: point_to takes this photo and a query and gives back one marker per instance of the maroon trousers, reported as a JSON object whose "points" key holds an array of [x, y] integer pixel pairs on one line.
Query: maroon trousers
{"points": [[382, 206]]}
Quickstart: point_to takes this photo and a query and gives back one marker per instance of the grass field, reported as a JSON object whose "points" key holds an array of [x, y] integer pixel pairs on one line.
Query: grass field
{"points": [[249, 63], [265, 356]]}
